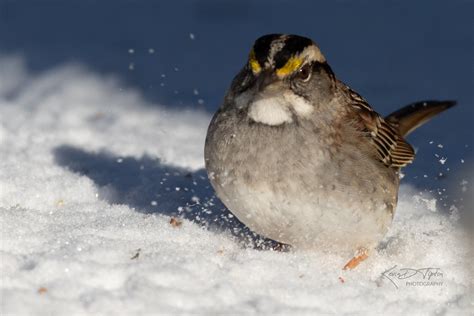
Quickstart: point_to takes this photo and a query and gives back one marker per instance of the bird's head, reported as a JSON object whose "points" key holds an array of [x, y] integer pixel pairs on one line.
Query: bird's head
{"points": [[285, 78]]}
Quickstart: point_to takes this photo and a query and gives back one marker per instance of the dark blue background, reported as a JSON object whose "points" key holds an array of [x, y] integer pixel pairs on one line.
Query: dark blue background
{"points": [[391, 52]]}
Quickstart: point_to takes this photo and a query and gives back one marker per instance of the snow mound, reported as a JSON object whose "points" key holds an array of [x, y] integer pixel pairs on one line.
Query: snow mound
{"points": [[105, 207]]}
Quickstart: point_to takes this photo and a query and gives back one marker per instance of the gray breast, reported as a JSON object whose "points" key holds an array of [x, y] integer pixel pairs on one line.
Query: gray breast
{"points": [[292, 183]]}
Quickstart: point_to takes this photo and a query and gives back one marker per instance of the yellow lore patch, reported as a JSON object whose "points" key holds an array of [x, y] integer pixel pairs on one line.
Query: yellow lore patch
{"points": [[291, 66], [253, 62]]}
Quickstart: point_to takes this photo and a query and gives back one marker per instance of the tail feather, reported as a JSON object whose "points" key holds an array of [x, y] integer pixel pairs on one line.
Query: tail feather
{"points": [[416, 114]]}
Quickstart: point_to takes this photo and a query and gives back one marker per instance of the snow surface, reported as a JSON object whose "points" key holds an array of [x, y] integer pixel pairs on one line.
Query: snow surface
{"points": [[90, 176]]}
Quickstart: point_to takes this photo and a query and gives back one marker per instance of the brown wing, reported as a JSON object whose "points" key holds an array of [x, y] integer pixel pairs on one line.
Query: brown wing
{"points": [[392, 149]]}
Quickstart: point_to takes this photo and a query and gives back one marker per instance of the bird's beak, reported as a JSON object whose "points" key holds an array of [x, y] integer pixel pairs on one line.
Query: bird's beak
{"points": [[265, 79]]}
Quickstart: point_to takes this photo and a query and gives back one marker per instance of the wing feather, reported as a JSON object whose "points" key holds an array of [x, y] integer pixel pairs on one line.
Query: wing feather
{"points": [[391, 147]]}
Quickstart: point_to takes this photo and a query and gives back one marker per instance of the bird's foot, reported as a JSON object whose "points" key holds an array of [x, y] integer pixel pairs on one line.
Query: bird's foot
{"points": [[281, 247], [360, 256]]}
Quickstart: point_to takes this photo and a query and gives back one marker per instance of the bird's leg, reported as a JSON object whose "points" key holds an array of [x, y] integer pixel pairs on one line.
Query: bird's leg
{"points": [[360, 256]]}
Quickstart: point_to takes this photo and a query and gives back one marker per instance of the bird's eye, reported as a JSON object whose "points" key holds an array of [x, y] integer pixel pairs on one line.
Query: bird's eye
{"points": [[304, 73]]}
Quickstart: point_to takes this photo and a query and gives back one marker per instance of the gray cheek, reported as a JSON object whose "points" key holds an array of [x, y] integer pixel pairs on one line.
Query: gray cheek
{"points": [[242, 100]]}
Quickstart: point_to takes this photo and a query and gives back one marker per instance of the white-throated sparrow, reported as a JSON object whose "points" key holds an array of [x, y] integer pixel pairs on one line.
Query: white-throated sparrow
{"points": [[301, 158]]}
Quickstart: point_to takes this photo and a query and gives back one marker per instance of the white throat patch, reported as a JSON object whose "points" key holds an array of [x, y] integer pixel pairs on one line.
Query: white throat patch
{"points": [[299, 104], [270, 111], [278, 110]]}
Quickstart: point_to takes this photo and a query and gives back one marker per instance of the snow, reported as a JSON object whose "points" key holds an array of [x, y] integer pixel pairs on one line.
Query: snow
{"points": [[105, 208]]}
